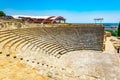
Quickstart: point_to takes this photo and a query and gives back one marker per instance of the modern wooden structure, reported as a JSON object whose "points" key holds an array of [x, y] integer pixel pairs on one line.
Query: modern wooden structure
{"points": [[44, 19]]}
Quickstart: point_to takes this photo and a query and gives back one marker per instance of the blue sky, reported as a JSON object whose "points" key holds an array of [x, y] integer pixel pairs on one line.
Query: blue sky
{"points": [[76, 11]]}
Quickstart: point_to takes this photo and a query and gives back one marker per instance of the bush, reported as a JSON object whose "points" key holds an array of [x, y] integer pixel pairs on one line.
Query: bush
{"points": [[114, 33], [2, 14]]}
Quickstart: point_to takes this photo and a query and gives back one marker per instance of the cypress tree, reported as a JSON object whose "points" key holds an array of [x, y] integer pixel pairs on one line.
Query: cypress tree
{"points": [[119, 29]]}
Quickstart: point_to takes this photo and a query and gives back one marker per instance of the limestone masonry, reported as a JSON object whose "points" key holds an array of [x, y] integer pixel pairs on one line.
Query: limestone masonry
{"points": [[59, 51]]}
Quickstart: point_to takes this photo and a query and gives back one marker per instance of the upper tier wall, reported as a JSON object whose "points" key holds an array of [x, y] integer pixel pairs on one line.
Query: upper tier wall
{"points": [[78, 37]]}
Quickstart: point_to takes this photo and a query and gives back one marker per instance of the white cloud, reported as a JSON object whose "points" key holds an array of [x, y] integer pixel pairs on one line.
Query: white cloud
{"points": [[72, 16]]}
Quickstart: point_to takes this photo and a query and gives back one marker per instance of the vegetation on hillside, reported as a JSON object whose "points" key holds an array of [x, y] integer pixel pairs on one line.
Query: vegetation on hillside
{"points": [[2, 14], [119, 29], [114, 33]]}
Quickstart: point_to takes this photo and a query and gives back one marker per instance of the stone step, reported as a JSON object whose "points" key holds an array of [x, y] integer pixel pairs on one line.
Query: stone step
{"points": [[57, 50], [4, 32], [16, 44], [6, 41], [11, 42]]}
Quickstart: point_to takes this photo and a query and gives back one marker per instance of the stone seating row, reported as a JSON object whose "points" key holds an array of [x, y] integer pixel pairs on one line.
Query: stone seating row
{"points": [[12, 39]]}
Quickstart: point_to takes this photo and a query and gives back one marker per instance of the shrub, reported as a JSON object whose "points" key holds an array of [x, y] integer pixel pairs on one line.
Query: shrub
{"points": [[2, 13], [114, 33]]}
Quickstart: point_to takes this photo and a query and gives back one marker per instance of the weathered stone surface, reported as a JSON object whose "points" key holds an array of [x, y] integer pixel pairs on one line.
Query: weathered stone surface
{"points": [[12, 68], [11, 24], [92, 65], [73, 52]]}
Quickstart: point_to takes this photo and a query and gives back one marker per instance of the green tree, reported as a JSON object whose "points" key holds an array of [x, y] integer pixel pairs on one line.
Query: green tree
{"points": [[119, 29], [2, 13]]}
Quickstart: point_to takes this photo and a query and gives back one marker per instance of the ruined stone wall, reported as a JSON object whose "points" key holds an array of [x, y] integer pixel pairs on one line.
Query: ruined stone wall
{"points": [[79, 37], [11, 24]]}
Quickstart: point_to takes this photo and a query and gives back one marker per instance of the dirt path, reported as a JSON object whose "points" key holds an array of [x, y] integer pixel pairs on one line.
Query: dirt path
{"points": [[109, 48]]}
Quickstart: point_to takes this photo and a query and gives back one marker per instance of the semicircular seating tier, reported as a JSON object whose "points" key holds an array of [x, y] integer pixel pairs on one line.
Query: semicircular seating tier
{"points": [[55, 41]]}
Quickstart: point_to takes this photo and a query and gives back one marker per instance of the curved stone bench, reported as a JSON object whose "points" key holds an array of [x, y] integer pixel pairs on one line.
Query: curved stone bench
{"points": [[6, 42], [45, 39], [30, 45]]}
